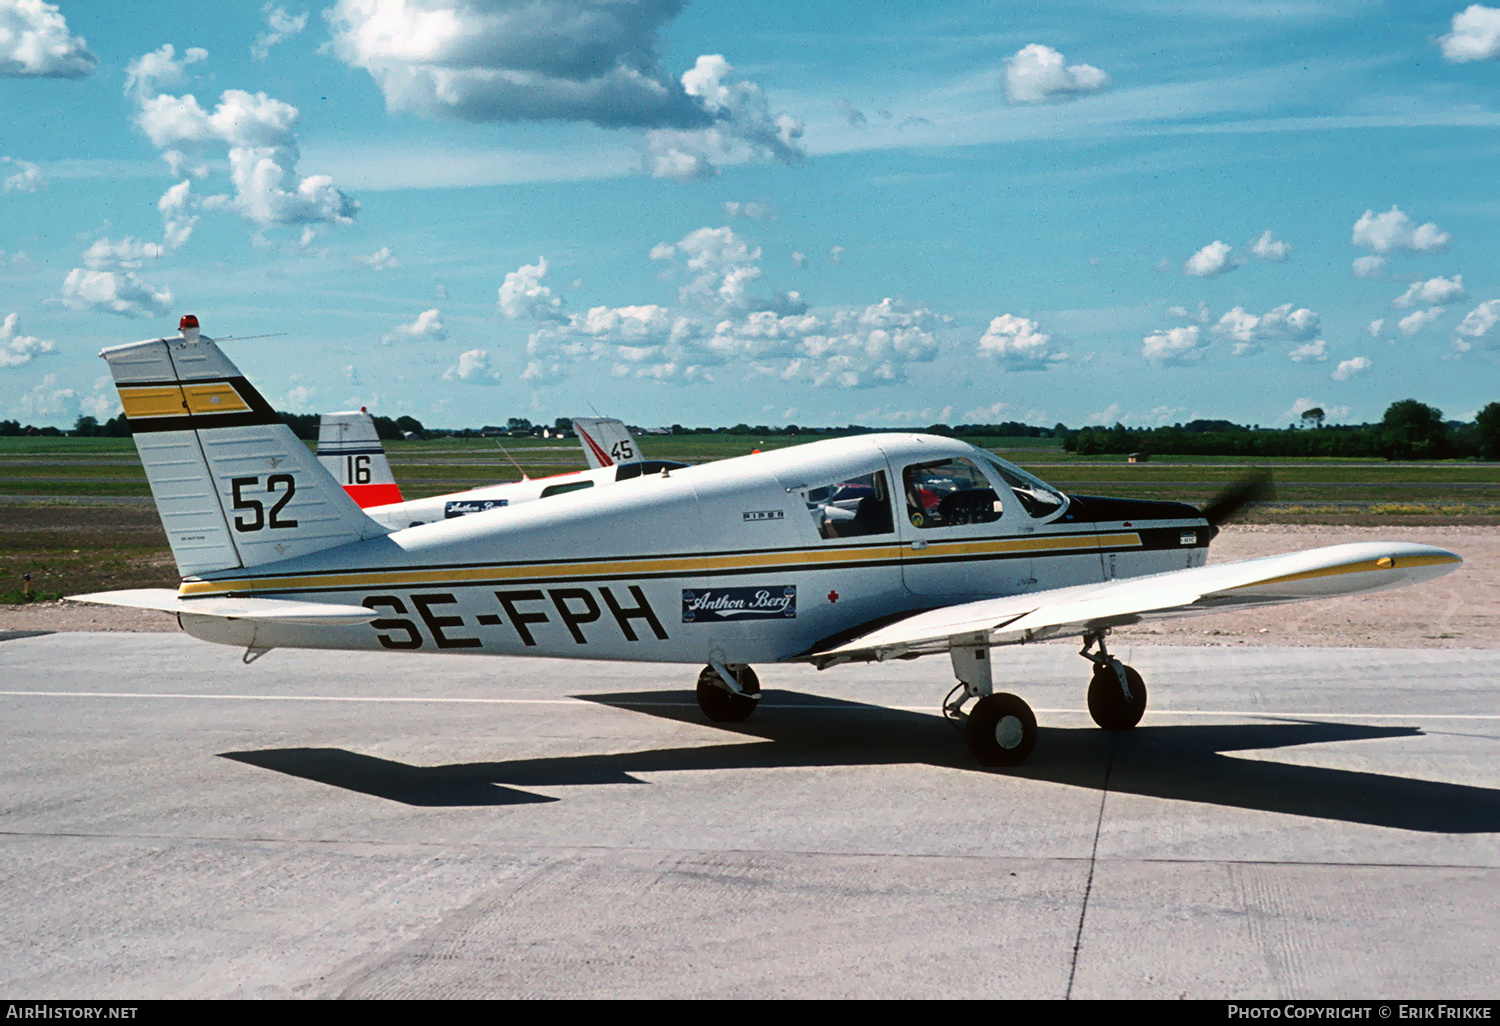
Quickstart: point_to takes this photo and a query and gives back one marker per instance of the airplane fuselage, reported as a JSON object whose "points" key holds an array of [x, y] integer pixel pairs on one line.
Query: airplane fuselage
{"points": [[760, 558]]}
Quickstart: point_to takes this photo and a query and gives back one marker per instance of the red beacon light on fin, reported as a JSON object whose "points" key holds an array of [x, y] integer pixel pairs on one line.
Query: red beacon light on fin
{"points": [[189, 327]]}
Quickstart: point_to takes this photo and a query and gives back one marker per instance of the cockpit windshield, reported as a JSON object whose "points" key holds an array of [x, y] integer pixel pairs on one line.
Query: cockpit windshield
{"points": [[1037, 497]]}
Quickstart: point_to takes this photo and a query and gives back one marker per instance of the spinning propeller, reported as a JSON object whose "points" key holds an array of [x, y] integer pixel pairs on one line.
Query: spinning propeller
{"points": [[1255, 487]]}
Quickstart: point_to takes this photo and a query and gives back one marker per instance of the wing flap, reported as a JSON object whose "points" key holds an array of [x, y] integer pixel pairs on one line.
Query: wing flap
{"points": [[263, 610], [1294, 577]]}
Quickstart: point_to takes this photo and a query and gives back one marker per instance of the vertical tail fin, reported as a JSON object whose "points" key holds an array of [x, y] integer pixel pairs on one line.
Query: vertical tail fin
{"points": [[349, 447], [606, 441], [233, 485]]}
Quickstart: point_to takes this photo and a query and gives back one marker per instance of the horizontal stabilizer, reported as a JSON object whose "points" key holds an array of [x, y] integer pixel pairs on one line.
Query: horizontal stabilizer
{"points": [[263, 610], [1329, 572]]}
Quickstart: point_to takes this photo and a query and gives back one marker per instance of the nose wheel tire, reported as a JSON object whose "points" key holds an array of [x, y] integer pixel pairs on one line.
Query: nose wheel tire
{"points": [[1001, 730], [1107, 702], [722, 705]]}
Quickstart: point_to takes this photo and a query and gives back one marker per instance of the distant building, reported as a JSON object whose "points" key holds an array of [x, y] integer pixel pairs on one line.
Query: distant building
{"points": [[1139, 457]]}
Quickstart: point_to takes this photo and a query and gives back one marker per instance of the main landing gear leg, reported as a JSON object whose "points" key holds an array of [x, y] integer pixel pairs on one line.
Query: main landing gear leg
{"points": [[1117, 694], [728, 692], [1000, 729]]}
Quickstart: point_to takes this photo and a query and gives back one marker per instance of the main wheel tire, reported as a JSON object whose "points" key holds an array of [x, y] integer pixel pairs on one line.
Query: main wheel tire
{"points": [[722, 705], [1001, 730], [1107, 703]]}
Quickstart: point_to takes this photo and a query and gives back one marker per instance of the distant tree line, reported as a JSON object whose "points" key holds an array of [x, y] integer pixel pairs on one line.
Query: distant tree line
{"points": [[1410, 430]]}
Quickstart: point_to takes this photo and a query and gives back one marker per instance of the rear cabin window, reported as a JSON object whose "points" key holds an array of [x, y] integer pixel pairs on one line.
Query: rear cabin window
{"points": [[1036, 497], [559, 489], [851, 507], [949, 493]]}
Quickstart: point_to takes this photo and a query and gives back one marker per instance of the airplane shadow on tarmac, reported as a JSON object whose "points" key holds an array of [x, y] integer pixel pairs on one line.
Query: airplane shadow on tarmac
{"points": [[1180, 762]]}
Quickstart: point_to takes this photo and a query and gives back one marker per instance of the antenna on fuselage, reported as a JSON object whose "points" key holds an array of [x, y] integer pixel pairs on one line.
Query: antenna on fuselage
{"points": [[524, 475]]}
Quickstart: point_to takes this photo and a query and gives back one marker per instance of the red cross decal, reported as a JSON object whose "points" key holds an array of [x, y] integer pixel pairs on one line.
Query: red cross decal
{"points": [[833, 596]]}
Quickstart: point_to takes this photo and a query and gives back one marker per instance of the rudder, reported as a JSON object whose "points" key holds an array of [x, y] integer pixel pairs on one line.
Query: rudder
{"points": [[233, 485], [350, 448]]}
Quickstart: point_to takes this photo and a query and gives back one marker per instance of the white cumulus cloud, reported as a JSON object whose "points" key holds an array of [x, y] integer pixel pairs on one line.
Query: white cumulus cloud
{"points": [[474, 368], [259, 133], [35, 42], [104, 404], [428, 324], [45, 399], [380, 260], [1268, 247], [280, 26], [522, 294], [1315, 351], [1393, 230], [743, 128], [1015, 343], [177, 223], [1301, 406], [1202, 315], [150, 72], [1039, 74], [1348, 368], [1479, 325], [1433, 290], [562, 60], [1210, 261], [117, 292], [15, 348], [719, 321], [1173, 345], [485, 60], [21, 175], [1415, 322], [1368, 266], [1284, 323], [1475, 35]]}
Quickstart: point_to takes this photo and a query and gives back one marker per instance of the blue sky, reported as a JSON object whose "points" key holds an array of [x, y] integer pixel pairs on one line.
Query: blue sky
{"points": [[708, 212]]}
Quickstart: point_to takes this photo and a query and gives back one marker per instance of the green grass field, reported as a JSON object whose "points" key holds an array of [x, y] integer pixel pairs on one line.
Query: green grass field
{"points": [[79, 467], [76, 512]]}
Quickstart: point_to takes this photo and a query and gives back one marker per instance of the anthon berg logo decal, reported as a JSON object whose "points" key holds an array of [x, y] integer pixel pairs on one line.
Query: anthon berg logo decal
{"points": [[717, 605]]}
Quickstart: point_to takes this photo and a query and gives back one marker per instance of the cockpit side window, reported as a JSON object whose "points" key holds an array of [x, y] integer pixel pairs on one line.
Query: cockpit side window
{"points": [[1036, 497], [851, 507], [948, 493]]}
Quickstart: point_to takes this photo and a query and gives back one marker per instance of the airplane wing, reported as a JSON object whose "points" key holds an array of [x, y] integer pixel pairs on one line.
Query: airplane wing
{"points": [[1061, 612], [265, 610], [606, 441]]}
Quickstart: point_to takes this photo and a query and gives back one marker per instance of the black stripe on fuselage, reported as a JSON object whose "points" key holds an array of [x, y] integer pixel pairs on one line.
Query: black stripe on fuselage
{"points": [[1159, 538]]}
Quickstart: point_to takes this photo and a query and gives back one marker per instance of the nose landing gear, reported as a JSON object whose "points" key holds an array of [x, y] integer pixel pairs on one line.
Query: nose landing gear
{"points": [[1117, 694]]}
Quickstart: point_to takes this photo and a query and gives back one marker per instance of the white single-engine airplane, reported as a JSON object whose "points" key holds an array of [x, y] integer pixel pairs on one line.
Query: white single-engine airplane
{"points": [[868, 548], [351, 450]]}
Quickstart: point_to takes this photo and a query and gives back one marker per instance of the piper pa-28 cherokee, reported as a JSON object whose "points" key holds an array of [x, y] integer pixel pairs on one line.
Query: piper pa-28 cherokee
{"points": [[350, 448], [867, 548]]}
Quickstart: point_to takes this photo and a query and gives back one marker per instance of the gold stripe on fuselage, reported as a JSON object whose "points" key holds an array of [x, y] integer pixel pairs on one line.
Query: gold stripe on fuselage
{"points": [[685, 566]]}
